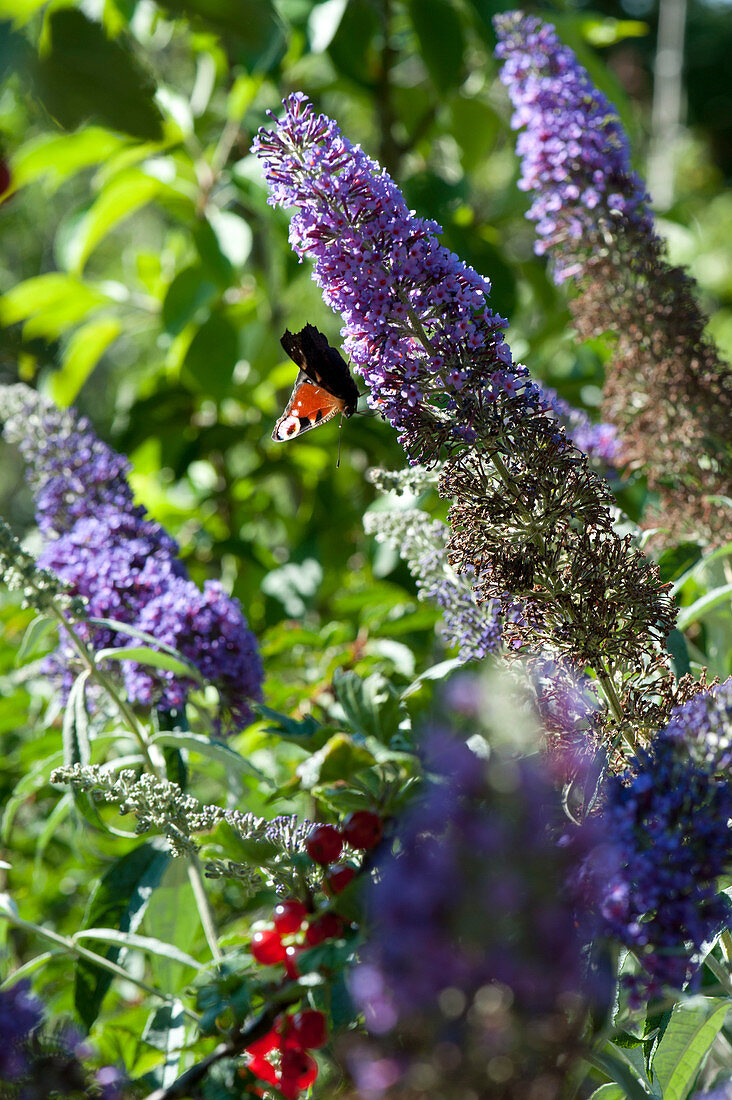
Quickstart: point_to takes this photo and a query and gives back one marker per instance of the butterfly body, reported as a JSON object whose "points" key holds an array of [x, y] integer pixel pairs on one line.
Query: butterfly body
{"points": [[323, 387]]}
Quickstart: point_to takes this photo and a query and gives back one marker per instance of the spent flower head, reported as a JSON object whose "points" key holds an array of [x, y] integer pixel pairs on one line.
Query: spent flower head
{"points": [[668, 392]]}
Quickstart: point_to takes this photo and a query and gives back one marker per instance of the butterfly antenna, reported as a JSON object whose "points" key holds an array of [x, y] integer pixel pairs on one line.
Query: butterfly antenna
{"points": [[340, 429]]}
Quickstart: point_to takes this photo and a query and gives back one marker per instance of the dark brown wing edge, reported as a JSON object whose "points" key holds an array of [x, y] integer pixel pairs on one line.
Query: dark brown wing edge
{"points": [[323, 364]]}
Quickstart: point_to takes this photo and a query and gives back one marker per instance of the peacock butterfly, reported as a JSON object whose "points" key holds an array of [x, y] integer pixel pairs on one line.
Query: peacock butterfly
{"points": [[323, 386]]}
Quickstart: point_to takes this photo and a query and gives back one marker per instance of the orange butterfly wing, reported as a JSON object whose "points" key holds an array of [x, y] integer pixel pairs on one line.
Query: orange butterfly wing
{"points": [[309, 406]]}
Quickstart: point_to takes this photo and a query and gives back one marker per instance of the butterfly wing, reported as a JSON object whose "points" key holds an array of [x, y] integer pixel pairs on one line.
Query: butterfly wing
{"points": [[323, 365], [309, 406]]}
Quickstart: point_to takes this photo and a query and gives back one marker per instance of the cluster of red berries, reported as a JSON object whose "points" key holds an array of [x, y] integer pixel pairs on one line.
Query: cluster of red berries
{"points": [[289, 1041]]}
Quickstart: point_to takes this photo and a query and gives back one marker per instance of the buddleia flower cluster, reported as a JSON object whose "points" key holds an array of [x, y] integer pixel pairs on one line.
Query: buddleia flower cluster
{"points": [[472, 628], [162, 806], [669, 816], [668, 392], [125, 566], [531, 522], [37, 1062], [473, 980]]}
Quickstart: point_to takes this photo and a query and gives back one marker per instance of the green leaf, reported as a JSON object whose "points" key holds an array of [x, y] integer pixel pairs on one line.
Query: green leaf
{"points": [[676, 560], [439, 671], [141, 943], [702, 606], [216, 750], [188, 299], [54, 291], [82, 353], [118, 901], [339, 759], [372, 706], [36, 632], [165, 1031], [353, 47], [87, 75], [211, 357], [306, 731], [153, 657], [122, 196], [610, 1064], [439, 30], [55, 157], [676, 645], [172, 917], [323, 22], [693, 1026], [75, 732], [233, 235], [608, 1092], [252, 27]]}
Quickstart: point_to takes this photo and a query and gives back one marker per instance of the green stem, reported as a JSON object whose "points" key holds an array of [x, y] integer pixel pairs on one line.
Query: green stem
{"points": [[719, 973], [72, 948], [205, 912]]}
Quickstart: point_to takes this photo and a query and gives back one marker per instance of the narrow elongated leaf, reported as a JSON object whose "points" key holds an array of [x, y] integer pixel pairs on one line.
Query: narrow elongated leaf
{"points": [[608, 1092], [146, 656], [440, 33], [705, 604], [122, 196], [43, 293], [172, 917], [436, 672], [118, 901], [216, 750], [35, 633], [81, 355], [86, 75], [142, 943], [75, 731], [685, 1043], [165, 1031], [56, 158]]}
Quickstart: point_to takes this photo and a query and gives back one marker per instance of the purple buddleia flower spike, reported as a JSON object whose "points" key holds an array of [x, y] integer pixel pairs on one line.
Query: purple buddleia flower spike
{"points": [[668, 392], [670, 818], [20, 1014], [417, 325], [474, 928], [574, 152], [125, 566]]}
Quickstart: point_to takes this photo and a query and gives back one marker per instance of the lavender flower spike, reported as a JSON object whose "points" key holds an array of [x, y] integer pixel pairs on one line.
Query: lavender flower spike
{"points": [[124, 565], [668, 392], [574, 151], [670, 817], [475, 944], [416, 321]]}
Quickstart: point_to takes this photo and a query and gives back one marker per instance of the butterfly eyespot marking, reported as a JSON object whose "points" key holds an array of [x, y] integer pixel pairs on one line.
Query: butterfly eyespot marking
{"points": [[323, 387], [289, 427]]}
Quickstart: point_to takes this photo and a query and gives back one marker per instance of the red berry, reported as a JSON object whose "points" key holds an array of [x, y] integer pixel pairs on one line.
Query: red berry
{"points": [[262, 1069], [327, 927], [262, 1046], [363, 829], [324, 844], [267, 947], [297, 1072], [309, 1029], [289, 915], [338, 877], [291, 954], [5, 178]]}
